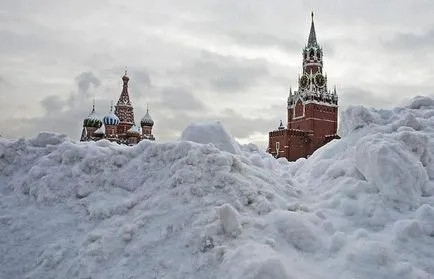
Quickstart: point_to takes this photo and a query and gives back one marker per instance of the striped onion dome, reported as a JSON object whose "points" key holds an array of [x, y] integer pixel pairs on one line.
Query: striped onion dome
{"points": [[111, 118], [147, 119], [92, 120], [133, 131]]}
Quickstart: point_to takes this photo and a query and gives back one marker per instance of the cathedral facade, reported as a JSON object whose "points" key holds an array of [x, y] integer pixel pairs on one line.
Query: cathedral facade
{"points": [[312, 109], [118, 125]]}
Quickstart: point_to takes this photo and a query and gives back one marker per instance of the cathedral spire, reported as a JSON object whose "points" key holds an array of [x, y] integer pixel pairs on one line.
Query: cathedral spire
{"points": [[124, 108], [312, 35], [93, 106], [124, 98]]}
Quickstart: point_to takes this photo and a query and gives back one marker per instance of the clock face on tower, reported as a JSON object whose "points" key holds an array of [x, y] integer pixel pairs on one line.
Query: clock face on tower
{"points": [[319, 80], [304, 81]]}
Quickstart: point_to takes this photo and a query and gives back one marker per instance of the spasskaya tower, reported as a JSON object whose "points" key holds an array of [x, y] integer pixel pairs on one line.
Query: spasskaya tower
{"points": [[312, 109]]}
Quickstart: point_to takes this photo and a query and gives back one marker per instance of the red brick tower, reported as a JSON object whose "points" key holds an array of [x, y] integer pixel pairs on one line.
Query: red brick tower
{"points": [[312, 109], [124, 109]]}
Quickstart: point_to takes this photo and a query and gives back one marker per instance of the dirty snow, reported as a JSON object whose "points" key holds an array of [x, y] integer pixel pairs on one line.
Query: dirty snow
{"points": [[206, 207]]}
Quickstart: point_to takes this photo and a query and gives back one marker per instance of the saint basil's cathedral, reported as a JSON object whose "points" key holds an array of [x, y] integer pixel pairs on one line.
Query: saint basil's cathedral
{"points": [[312, 109], [118, 125]]}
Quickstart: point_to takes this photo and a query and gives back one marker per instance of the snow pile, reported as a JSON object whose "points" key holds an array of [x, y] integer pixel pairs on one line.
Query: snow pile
{"points": [[100, 210], [360, 207], [212, 133]]}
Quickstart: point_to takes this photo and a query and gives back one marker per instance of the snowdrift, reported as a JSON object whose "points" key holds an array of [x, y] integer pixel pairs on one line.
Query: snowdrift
{"points": [[213, 133], [205, 207]]}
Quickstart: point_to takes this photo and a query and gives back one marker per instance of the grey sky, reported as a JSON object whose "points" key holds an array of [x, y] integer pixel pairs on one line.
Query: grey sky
{"points": [[196, 60]]}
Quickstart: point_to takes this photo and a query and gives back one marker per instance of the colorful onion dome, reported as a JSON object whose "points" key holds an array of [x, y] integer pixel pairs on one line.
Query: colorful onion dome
{"points": [[111, 118], [147, 119], [92, 120]]}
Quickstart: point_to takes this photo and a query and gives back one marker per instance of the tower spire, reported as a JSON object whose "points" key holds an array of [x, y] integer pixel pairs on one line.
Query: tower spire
{"points": [[312, 35], [124, 108], [125, 98]]}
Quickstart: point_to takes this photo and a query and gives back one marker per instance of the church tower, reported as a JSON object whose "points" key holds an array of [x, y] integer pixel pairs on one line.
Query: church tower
{"points": [[124, 109], [312, 108]]}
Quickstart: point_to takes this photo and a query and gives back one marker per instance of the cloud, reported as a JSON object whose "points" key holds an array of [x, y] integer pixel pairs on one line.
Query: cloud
{"points": [[411, 41], [23, 43], [264, 40], [142, 77], [223, 74], [52, 104], [85, 81], [243, 127], [140, 84], [380, 97], [360, 96], [2, 79], [62, 115], [179, 99]]}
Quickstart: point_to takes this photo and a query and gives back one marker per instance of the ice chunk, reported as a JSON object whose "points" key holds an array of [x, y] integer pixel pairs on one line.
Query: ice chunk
{"points": [[229, 219]]}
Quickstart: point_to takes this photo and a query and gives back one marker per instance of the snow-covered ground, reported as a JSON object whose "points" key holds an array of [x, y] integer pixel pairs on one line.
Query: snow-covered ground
{"points": [[360, 207]]}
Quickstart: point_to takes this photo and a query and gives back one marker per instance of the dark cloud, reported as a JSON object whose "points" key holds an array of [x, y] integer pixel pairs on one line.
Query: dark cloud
{"points": [[85, 81], [62, 115], [52, 104]]}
